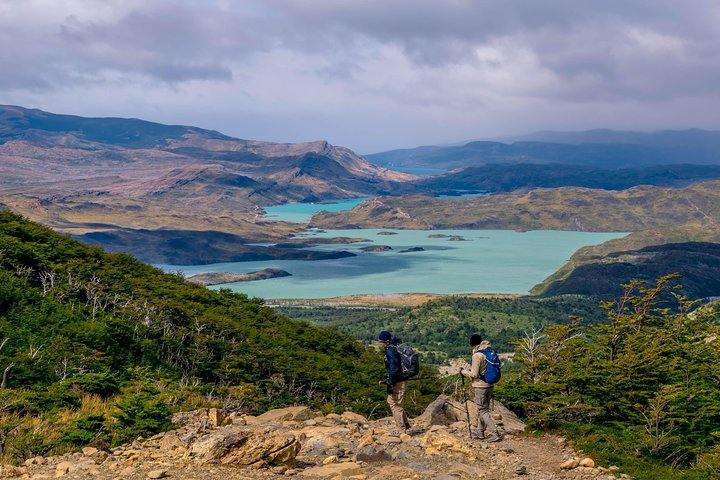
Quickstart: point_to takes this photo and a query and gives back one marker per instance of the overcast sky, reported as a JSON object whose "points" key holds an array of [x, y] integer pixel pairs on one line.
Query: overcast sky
{"points": [[371, 75]]}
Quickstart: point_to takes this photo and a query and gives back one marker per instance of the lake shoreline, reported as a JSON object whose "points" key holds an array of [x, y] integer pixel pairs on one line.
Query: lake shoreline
{"points": [[496, 261]]}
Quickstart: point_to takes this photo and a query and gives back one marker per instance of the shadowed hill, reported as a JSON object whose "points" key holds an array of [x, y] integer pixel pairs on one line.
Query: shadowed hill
{"points": [[698, 264], [602, 148]]}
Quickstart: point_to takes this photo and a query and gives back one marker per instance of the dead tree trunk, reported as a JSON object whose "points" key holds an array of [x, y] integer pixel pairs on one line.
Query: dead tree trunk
{"points": [[6, 374]]}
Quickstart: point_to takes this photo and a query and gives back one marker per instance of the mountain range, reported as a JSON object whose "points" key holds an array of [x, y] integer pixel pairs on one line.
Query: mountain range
{"points": [[600, 148], [67, 167], [174, 194], [135, 179]]}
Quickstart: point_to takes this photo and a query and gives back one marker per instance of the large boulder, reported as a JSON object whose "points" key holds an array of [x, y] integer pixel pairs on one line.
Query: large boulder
{"points": [[439, 412], [279, 415], [322, 438], [446, 411], [242, 446]]}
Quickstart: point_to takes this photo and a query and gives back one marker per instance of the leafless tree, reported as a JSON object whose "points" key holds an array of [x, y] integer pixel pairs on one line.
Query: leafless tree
{"points": [[34, 351], [530, 352], [6, 374], [62, 370], [47, 280]]}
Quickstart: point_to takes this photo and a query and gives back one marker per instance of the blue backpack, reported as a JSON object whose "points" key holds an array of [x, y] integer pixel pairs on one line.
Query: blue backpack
{"points": [[492, 366]]}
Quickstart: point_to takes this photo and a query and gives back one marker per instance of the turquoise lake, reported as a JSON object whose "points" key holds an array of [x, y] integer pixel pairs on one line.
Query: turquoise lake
{"points": [[301, 212], [489, 261]]}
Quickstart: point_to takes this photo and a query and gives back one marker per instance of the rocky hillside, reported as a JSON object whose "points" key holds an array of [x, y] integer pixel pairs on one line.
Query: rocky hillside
{"points": [[698, 263], [99, 174], [297, 442], [570, 208]]}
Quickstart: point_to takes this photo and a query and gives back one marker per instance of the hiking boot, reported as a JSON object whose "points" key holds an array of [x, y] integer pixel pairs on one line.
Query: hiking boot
{"points": [[477, 435], [494, 438]]}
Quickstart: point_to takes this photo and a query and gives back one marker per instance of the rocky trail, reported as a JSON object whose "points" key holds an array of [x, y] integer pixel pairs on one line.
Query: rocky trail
{"points": [[297, 442]]}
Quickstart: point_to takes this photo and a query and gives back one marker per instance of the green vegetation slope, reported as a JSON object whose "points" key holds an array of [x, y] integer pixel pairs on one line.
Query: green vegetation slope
{"points": [[101, 346], [639, 390], [441, 328]]}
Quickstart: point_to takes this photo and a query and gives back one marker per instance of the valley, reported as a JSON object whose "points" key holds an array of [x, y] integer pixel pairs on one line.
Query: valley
{"points": [[340, 249], [186, 197], [359, 240]]}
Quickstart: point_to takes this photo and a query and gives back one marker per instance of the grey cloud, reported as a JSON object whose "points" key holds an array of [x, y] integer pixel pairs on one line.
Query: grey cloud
{"points": [[185, 40], [419, 57], [571, 38]]}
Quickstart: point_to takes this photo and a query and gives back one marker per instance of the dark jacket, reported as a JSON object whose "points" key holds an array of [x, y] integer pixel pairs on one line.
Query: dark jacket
{"points": [[392, 365]]}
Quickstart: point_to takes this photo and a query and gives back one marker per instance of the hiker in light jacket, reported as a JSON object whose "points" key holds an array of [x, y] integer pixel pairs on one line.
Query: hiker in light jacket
{"points": [[396, 384], [483, 391]]}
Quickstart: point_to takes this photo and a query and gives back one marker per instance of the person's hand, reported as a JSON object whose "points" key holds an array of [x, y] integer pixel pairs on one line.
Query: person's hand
{"points": [[381, 382], [389, 389]]}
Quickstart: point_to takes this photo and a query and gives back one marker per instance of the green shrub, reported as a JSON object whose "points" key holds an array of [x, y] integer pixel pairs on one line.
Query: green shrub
{"points": [[84, 430], [141, 415]]}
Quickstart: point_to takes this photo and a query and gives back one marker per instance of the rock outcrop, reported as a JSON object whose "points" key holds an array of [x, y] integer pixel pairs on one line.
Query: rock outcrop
{"points": [[295, 441], [242, 446]]}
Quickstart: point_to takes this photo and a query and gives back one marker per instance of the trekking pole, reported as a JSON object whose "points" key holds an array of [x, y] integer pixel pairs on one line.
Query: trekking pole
{"points": [[467, 412]]}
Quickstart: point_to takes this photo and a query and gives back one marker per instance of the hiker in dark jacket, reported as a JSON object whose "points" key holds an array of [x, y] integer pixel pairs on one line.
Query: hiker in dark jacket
{"points": [[483, 390], [395, 383]]}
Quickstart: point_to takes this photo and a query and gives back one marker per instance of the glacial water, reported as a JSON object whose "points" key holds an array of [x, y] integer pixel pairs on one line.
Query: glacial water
{"points": [[301, 212], [488, 261]]}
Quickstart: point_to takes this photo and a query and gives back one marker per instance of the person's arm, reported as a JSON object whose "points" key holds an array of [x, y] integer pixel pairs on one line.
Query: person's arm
{"points": [[393, 363], [477, 363]]}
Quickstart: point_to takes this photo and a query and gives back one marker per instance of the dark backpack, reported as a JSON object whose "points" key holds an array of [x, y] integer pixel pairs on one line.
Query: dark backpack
{"points": [[492, 366], [409, 360]]}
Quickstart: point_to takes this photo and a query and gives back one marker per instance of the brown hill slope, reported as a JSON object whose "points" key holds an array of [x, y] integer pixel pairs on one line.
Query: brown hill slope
{"points": [[569, 208], [88, 174]]}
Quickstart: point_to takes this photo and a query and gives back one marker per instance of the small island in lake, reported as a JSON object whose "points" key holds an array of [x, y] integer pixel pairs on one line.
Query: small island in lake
{"points": [[315, 241], [386, 233], [376, 248], [451, 238], [413, 249], [218, 278]]}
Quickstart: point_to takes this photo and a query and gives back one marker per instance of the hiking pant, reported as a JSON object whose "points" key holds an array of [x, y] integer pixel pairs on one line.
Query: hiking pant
{"points": [[395, 400], [483, 397]]}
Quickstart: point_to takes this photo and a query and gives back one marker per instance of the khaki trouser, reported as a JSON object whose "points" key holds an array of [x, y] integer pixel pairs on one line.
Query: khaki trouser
{"points": [[483, 397], [395, 400]]}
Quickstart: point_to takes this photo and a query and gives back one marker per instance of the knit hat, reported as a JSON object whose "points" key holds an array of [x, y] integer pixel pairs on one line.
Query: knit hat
{"points": [[385, 336], [475, 340]]}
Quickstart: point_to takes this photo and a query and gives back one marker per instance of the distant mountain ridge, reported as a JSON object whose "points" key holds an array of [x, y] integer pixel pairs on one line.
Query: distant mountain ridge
{"points": [[507, 178], [18, 123], [604, 148]]}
